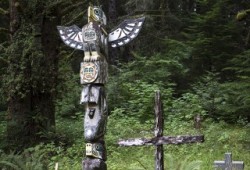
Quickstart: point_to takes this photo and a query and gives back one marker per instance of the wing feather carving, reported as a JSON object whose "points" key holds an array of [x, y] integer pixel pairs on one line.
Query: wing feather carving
{"points": [[72, 36], [125, 32]]}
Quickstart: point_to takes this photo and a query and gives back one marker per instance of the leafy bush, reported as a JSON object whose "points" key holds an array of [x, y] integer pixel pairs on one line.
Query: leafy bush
{"points": [[228, 101], [211, 97], [186, 108], [138, 99]]}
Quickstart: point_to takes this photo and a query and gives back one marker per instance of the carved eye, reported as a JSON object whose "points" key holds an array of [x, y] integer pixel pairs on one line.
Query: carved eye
{"points": [[97, 12]]}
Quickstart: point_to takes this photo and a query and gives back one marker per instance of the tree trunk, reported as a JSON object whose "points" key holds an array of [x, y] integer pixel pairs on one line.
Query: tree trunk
{"points": [[14, 19], [18, 107], [33, 74], [112, 18]]}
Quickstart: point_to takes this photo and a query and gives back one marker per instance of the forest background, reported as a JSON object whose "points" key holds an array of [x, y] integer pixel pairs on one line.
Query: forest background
{"points": [[196, 52]]}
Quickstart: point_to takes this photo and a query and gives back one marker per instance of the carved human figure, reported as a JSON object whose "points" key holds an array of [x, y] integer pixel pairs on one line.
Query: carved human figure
{"points": [[94, 98]]}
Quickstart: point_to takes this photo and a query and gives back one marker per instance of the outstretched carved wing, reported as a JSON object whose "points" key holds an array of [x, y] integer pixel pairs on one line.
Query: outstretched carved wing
{"points": [[125, 32], [72, 36]]}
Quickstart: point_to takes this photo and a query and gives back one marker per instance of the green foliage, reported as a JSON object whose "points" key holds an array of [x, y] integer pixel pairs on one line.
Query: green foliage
{"points": [[155, 69], [68, 101], [132, 92], [210, 95], [25, 161], [185, 165], [136, 81], [236, 102], [229, 100], [219, 138], [69, 90], [31, 75], [211, 28], [236, 92], [186, 108], [178, 48], [136, 100]]}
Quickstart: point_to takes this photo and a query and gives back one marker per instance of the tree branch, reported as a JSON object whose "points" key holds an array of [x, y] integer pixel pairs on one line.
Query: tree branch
{"points": [[3, 11], [4, 30], [242, 14]]}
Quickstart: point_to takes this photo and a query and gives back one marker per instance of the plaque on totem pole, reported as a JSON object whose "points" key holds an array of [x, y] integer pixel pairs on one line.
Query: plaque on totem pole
{"points": [[89, 72], [95, 72]]}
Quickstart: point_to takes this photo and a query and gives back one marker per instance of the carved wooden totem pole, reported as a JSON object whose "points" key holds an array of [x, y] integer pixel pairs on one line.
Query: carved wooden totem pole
{"points": [[93, 39]]}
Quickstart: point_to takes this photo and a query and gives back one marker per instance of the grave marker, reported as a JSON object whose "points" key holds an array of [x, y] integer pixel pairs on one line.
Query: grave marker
{"points": [[159, 139], [228, 164]]}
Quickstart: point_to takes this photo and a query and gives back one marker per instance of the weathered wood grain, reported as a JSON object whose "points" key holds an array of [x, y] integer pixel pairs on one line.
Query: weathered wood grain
{"points": [[94, 164], [159, 123], [159, 119], [161, 140]]}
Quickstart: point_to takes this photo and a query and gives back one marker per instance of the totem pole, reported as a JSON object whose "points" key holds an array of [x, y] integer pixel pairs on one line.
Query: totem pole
{"points": [[93, 39]]}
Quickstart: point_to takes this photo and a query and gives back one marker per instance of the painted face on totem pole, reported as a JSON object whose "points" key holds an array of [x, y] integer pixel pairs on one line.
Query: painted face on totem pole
{"points": [[95, 13]]}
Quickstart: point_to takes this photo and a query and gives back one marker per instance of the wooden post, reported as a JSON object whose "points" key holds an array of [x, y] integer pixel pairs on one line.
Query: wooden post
{"points": [[197, 121], [159, 124]]}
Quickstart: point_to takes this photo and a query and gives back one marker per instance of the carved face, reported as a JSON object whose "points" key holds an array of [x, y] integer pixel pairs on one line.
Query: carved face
{"points": [[96, 14], [88, 72]]}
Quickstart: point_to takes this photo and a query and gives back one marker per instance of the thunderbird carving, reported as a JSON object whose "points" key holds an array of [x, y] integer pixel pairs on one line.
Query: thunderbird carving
{"points": [[93, 38]]}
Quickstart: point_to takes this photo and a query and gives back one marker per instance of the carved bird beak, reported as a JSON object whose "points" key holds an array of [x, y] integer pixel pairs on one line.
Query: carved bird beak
{"points": [[91, 16]]}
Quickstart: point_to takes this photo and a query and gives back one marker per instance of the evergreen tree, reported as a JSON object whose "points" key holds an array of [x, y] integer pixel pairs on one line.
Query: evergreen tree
{"points": [[237, 92], [32, 72], [219, 44], [216, 37], [3, 45]]}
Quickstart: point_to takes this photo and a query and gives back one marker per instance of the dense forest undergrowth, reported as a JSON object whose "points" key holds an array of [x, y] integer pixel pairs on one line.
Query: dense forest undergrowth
{"points": [[195, 52], [134, 117], [68, 147]]}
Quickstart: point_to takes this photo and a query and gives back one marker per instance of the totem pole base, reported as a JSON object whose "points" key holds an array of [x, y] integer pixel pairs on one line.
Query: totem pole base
{"points": [[94, 164]]}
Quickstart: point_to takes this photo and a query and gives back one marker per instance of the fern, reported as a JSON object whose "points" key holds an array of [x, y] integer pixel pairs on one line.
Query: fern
{"points": [[8, 164], [24, 161]]}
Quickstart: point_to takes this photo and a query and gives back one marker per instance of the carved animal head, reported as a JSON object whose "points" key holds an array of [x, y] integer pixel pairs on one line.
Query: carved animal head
{"points": [[95, 13]]}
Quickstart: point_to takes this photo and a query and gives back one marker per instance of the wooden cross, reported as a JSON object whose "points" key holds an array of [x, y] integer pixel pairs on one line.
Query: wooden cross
{"points": [[228, 164], [159, 139]]}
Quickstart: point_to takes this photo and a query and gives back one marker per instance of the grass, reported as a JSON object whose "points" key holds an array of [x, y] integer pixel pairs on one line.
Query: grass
{"points": [[219, 139]]}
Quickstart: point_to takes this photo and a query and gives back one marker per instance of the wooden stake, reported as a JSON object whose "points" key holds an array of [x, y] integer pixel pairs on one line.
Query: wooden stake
{"points": [[159, 123]]}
